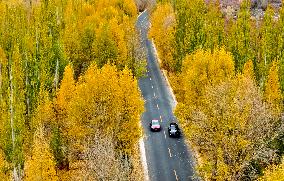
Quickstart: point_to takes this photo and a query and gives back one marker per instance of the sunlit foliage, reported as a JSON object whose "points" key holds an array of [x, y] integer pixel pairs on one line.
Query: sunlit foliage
{"points": [[274, 173], [41, 165], [46, 47], [162, 32], [224, 116]]}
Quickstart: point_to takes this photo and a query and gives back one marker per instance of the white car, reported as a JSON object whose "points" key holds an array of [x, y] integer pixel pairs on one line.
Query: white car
{"points": [[155, 125]]}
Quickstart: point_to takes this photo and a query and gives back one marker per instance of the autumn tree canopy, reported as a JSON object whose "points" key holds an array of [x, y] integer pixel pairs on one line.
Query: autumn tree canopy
{"points": [[49, 53]]}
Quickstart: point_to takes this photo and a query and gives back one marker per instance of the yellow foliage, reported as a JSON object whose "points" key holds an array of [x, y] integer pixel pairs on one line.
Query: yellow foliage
{"points": [[2, 11], [67, 88], [130, 130], [107, 99], [162, 31], [248, 70], [3, 59], [3, 85], [221, 113], [97, 30], [272, 92], [41, 165], [221, 127], [202, 69], [119, 37], [44, 114], [4, 174], [124, 6], [274, 173], [128, 6]]}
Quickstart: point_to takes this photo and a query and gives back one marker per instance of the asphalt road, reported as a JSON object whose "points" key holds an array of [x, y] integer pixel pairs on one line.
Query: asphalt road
{"points": [[168, 159]]}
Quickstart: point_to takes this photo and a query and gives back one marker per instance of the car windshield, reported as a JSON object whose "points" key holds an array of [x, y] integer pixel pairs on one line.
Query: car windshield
{"points": [[173, 127], [155, 123]]}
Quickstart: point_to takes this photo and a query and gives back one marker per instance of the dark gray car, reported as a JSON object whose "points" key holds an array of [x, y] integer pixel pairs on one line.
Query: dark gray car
{"points": [[174, 130]]}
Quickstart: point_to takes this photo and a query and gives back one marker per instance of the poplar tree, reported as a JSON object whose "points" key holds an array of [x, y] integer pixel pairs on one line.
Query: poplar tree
{"points": [[272, 92], [41, 165], [60, 126], [268, 45], [16, 112], [214, 26], [105, 49], [129, 131], [202, 69], [230, 130], [4, 102], [162, 31], [190, 33], [67, 88], [281, 47], [248, 70], [240, 40]]}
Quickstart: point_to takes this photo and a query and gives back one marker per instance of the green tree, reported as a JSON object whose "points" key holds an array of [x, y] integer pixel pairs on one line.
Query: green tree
{"points": [[16, 114], [268, 45], [105, 48], [214, 26], [190, 33], [240, 41]]}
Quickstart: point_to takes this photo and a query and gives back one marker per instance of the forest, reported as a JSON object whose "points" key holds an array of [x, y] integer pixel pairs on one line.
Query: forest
{"points": [[71, 106], [227, 73], [69, 99]]}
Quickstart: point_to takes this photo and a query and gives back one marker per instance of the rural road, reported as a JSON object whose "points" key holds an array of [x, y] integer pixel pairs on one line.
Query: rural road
{"points": [[168, 159]]}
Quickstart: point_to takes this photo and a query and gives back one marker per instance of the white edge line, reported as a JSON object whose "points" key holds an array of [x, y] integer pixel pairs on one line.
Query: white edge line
{"points": [[141, 142], [196, 156], [141, 13], [164, 75], [143, 159], [165, 135]]}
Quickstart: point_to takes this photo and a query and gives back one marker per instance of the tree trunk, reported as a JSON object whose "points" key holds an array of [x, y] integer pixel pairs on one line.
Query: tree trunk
{"points": [[16, 175], [27, 89], [215, 162], [1, 79], [56, 76]]}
